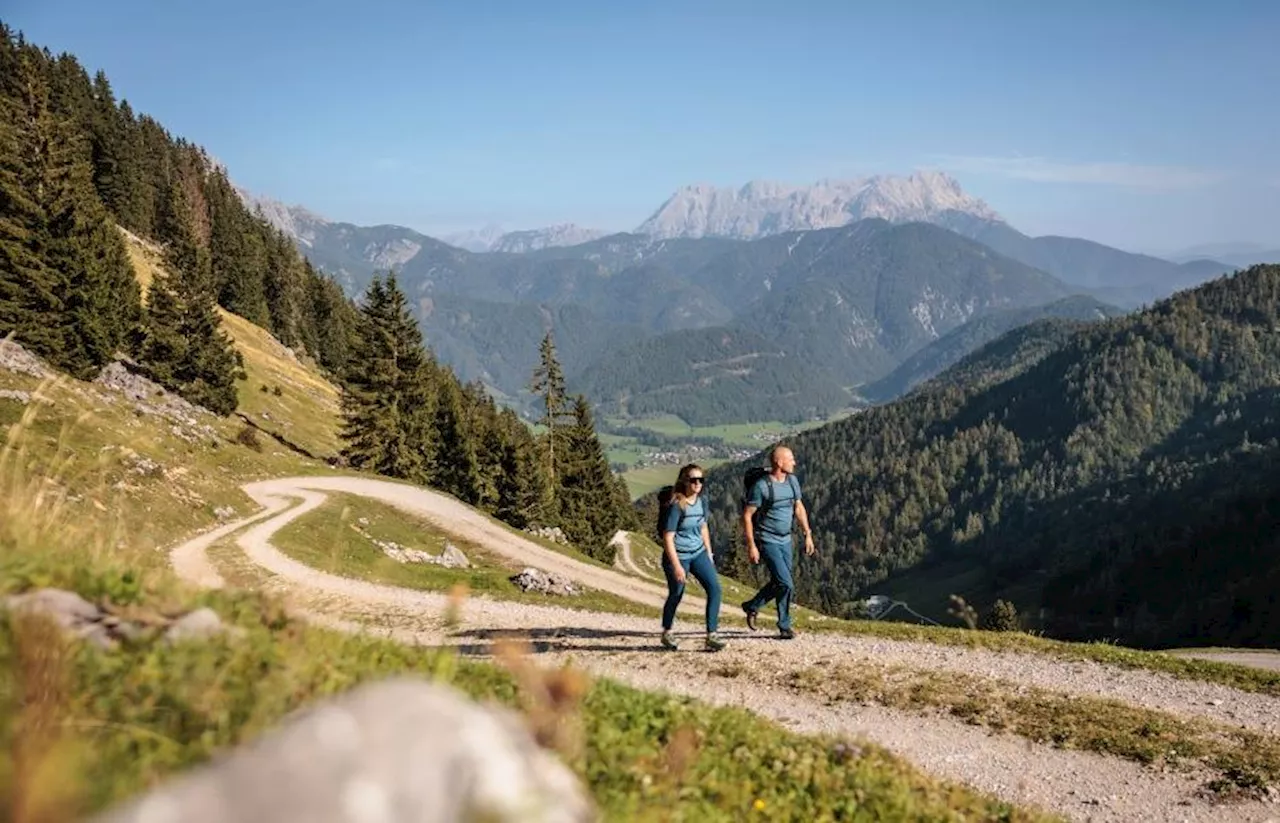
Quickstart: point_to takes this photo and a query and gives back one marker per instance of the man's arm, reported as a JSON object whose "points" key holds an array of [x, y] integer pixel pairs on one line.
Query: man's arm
{"points": [[802, 514], [753, 553]]}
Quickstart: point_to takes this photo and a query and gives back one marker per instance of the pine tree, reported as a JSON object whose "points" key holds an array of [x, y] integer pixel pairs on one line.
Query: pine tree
{"points": [[163, 345], [548, 383], [519, 483], [456, 468], [387, 406], [588, 495]]}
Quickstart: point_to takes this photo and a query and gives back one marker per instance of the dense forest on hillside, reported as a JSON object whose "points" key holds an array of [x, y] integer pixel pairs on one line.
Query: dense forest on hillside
{"points": [[1124, 479], [77, 167], [75, 163]]}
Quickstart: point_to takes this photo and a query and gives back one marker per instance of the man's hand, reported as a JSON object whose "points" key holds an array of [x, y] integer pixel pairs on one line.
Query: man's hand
{"points": [[753, 554], [809, 548]]}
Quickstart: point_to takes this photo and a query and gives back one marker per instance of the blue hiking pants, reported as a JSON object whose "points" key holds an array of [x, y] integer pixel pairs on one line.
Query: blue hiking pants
{"points": [[704, 571], [777, 559]]}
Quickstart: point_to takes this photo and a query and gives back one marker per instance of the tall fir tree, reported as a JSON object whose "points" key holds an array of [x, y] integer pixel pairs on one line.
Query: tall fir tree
{"points": [[548, 384], [387, 405], [588, 501], [519, 482]]}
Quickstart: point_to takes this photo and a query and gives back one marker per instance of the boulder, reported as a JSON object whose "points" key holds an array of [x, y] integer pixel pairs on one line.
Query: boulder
{"points": [[398, 751]]}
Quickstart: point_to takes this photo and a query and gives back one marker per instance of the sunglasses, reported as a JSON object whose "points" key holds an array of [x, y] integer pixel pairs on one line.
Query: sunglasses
{"points": [[695, 479]]}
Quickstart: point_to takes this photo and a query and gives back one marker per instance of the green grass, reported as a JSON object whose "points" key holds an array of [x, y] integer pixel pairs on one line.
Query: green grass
{"points": [[328, 539], [1244, 760]]}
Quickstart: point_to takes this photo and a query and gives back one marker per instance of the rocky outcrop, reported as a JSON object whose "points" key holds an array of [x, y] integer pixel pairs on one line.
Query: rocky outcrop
{"points": [[106, 627], [540, 582], [399, 751]]}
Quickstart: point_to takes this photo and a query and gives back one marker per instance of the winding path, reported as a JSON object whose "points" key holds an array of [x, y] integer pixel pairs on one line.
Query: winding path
{"points": [[1079, 785]]}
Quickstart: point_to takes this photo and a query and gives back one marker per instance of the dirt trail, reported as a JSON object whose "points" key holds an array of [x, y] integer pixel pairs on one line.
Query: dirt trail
{"points": [[1080, 785]]}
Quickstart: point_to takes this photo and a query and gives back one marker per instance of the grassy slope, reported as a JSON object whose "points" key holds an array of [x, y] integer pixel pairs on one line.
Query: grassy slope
{"points": [[90, 494]]}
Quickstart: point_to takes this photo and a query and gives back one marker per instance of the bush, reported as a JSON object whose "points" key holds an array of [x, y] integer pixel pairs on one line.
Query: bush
{"points": [[248, 436], [1003, 617]]}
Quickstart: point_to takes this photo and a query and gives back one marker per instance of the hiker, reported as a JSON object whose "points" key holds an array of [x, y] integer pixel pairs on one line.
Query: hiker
{"points": [[686, 545], [772, 500]]}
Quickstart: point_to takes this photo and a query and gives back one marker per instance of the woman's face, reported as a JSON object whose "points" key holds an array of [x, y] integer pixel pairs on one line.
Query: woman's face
{"points": [[695, 482]]}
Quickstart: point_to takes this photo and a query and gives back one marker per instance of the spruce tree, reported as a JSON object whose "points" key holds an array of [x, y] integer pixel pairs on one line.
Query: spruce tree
{"points": [[548, 383], [387, 405], [519, 482], [588, 495]]}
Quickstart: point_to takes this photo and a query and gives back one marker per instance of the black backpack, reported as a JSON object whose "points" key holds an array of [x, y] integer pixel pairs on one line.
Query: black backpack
{"points": [[749, 479]]}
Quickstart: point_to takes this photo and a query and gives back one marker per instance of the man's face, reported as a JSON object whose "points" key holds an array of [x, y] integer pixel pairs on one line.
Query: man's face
{"points": [[786, 460]]}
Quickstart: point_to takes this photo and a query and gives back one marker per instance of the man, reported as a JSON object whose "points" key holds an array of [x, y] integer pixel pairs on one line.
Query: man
{"points": [[772, 539]]}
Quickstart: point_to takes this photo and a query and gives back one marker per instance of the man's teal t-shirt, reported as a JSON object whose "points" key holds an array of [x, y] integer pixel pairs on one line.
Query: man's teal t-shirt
{"points": [[776, 525], [689, 533]]}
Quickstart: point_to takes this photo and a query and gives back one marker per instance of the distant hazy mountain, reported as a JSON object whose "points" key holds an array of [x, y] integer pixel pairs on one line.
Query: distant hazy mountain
{"points": [[762, 208], [566, 234], [1240, 255], [475, 239], [494, 238]]}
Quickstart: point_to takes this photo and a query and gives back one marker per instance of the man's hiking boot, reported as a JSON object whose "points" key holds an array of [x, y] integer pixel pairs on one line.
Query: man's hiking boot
{"points": [[669, 642], [751, 617], [714, 643], [786, 634]]}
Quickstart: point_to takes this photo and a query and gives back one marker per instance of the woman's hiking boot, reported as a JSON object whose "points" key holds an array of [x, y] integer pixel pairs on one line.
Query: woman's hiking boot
{"points": [[786, 634], [669, 642], [714, 643]]}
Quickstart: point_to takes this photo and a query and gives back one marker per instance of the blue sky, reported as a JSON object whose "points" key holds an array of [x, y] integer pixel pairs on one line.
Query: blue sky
{"points": [[1147, 125]]}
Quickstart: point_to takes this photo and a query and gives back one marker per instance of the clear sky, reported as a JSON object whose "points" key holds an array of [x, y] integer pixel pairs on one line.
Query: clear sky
{"points": [[1146, 124]]}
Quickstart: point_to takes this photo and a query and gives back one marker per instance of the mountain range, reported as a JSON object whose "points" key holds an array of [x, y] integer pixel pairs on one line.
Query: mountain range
{"points": [[850, 278]]}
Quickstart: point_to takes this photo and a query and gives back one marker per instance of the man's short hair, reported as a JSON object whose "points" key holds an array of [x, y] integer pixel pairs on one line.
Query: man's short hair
{"points": [[773, 454]]}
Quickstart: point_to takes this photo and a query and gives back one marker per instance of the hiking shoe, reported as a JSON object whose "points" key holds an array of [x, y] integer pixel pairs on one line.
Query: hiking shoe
{"points": [[751, 617], [669, 642], [714, 643], [786, 634]]}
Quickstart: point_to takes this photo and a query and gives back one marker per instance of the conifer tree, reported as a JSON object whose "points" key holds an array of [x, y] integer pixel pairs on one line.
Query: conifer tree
{"points": [[456, 467], [519, 483], [386, 400], [548, 383], [588, 494]]}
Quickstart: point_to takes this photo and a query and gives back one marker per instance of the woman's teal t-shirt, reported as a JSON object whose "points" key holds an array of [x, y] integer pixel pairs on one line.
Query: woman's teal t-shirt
{"points": [[689, 530]]}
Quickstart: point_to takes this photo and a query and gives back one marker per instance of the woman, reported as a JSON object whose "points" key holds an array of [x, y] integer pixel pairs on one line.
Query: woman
{"points": [[687, 548]]}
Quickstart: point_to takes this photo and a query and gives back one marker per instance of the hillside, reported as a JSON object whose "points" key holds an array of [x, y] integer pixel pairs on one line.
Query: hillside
{"points": [[709, 376], [1088, 484], [858, 300], [1114, 276], [960, 342]]}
